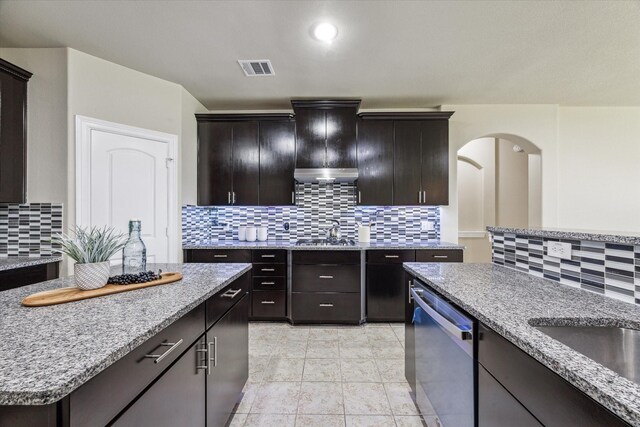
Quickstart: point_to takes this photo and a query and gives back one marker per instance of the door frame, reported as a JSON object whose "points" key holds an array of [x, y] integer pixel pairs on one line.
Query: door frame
{"points": [[84, 129]]}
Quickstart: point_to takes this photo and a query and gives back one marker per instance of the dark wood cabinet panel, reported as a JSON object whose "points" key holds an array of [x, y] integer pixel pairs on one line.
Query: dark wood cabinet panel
{"points": [[341, 138], [270, 256], [246, 169], [229, 340], [18, 277], [269, 270], [435, 162], [269, 304], [375, 162], [326, 257], [311, 143], [215, 163], [325, 278], [277, 162], [440, 255], [497, 407], [217, 255], [407, 176], [226, 298], [269, 283], [392, 256], [13, 132], [386, 293], [325, 307], [176, 398], [409, 336]]}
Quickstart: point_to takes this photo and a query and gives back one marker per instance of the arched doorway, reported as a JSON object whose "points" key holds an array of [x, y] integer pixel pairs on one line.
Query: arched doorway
{"points": [[499, 183]]}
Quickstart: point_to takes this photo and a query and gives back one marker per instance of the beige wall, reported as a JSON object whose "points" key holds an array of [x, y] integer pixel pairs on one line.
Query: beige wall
{"points": [[512, 178], [189, 148], [46, 121]]}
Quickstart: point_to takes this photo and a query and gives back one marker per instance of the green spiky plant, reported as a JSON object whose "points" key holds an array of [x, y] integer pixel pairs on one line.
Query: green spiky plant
{"points": [[90, 245]]}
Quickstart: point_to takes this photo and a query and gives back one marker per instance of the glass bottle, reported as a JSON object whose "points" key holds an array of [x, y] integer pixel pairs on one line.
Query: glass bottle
{"points": [[134, 253]]}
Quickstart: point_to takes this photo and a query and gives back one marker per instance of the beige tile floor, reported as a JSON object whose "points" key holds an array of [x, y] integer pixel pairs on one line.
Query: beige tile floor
{"points": [[326, 376]]}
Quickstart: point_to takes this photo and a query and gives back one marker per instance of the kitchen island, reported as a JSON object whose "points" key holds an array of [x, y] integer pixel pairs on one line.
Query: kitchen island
{"points": [[114, 358], [508, 305]]}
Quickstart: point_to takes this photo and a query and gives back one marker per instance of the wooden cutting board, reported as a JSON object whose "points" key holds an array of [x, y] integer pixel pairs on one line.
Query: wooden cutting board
{"points": [[64, 295]]}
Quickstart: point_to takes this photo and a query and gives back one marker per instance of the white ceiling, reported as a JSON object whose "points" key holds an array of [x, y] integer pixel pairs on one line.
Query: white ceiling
{"points": [[391, 54]]}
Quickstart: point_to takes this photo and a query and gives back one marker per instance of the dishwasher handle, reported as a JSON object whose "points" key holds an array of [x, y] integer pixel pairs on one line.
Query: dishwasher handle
{"points": [[461, 334]]}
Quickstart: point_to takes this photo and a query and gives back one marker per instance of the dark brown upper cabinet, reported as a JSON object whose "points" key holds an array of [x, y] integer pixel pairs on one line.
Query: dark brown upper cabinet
{"points": [[375, 162], [420, 157], [245, 159], [326, 133], [13, 132]]}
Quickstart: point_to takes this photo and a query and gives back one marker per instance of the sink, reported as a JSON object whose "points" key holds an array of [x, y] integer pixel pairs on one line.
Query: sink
{"points": [[616, 348]]}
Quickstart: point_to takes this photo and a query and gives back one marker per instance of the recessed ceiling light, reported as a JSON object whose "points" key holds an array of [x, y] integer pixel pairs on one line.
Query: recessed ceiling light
{"points": [[325, 32]]}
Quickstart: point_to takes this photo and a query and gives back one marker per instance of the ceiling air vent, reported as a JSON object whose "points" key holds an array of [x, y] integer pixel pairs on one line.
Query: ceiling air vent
{"points": [[256, 67]]}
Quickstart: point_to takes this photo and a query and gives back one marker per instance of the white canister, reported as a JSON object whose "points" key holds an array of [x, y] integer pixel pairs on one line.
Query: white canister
{"points": [[263, 234], [251, 234], [242, 233], [364, 233]]}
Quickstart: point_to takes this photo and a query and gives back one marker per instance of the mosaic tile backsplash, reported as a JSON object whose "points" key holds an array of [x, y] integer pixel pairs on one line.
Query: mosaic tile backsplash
{"points": [[26, 230], [316, 206], [607, 268]]}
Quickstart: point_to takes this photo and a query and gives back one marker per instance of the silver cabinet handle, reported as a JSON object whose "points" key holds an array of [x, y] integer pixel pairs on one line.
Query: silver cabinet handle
{"points": [[359, 197], [158, 357], [233, 193], [267, 269], [267, 302], [325, 277], [268, 256], [424, 196], [213, 351], [392, 256], [441, 256], [204, 350], [267, 283], [293, 198], [409, 292], [219, 256], [325, 305], [419, 197], [231, 293], [229, 197]]}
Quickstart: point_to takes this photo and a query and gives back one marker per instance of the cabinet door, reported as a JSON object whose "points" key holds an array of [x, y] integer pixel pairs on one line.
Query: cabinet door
{"points": [[229, 341], [386, 293], [375, 162], [311, 135], [277, 162], [341, 138], [13, 108], [246, 169], [215, 167], [435, 162], [177, 398], [407, 168]]}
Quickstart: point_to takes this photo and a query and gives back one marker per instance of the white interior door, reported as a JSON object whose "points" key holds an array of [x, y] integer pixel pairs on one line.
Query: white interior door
{"points": [[127, 173]]}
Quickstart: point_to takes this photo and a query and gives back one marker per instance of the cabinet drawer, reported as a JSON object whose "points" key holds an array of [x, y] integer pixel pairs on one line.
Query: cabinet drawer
{"points": [[119, 384], [269, 270], [269, 304], [326, 257], [268, 255], [269, 283], [325, 278], [439, 255], [325, 307], [219, 255], [391, 257], [221, 302]]}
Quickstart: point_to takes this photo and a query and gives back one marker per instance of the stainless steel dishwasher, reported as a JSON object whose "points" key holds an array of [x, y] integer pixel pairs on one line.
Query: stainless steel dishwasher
{"points": [[445, 376]]}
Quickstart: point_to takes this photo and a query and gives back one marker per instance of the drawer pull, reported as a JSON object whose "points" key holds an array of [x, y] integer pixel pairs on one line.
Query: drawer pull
{"points": [[204, 350], [267, 269], [325, 277], [213, 351], [267, 283], [158, 357], [441, 256], [325, 305], [267, 302], [268, 256], [219, 256], [392, 256], [231, 293]]}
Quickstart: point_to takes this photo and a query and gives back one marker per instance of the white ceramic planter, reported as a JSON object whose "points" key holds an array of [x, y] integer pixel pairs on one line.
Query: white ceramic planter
{"points": [[91, 276]]}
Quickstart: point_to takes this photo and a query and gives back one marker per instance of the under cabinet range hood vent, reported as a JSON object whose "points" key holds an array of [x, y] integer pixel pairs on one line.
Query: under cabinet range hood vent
{"points": [[256, 67], [325, 175]]}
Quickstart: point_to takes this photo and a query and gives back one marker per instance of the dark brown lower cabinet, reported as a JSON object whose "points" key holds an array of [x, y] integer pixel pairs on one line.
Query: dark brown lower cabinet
{"points": [[386, 290], [176, 398], [229, 341], [409, 336], [18, 277]]}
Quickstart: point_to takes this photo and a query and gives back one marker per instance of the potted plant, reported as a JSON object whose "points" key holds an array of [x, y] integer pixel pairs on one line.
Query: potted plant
{"points": [[91, 249]]}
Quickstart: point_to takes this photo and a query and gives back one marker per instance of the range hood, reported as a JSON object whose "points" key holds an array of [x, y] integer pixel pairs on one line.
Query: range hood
{"points": [[325, 175]]}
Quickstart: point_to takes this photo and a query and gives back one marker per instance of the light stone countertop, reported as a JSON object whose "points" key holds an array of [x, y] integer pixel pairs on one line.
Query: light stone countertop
{"points": [[510, 302], [619, 237], [47, 352], [288, 245], [14, 262]]}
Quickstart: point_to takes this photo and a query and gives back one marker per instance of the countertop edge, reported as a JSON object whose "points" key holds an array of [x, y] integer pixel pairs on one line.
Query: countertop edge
{"points": [[235, 244], [12, 263], [570, 235]]}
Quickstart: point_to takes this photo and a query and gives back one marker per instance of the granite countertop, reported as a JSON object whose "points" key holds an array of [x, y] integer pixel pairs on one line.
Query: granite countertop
{"points": [[285, 244], [47, 352], [510, 302], [620, 237], [10, 263]]}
